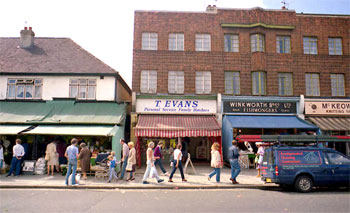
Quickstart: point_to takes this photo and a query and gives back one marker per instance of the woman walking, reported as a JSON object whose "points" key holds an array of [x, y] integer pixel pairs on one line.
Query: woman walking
{"points": [[51, 156], [260, 156], [84, 157], [158, 157], [215, 162], [131, 161], [177, 164], [150, 164]]}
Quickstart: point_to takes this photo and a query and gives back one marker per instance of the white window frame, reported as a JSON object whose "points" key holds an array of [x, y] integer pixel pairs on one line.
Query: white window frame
{"points": [[35, 83], [312, 84], [257, 42], [149, 41], [232, 83], [176, 42], [335, 46], [231, 43], [283, 41], [285, 84], [203, 42], [148, 83], [310, 45], [338, 84], [203, 82], [82, 89], [176, 84], [259, 83]]}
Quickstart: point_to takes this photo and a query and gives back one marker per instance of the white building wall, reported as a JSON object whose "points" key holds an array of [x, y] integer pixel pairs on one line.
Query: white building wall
{"points": [[58, 86]]}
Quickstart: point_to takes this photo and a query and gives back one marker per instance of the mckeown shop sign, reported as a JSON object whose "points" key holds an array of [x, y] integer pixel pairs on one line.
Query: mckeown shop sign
{"points": [[259, 107], [327, 108]]}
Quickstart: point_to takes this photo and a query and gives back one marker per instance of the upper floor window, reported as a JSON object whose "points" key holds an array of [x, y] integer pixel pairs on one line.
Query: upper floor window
{"points": [[176, 41], [149, 41], [312, 83], [203, 42], [337, 83], [310, 45], [203, 82], [232, 83], [84, 89], [283, 44], [176, 82], [285, 84], [335, 46], [259, 83], [148, 81], [24, 88], [257, 43], [231, 43]]}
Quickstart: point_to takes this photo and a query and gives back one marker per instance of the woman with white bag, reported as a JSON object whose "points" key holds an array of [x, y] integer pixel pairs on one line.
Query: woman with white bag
{"points": [[150, 165]]}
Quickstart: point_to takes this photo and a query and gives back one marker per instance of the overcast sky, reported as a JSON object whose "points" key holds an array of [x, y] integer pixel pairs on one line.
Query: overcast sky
{"points": [[105, 27]]}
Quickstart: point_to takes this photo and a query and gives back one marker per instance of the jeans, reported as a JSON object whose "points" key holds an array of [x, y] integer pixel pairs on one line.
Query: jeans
{"points": [[148, 170], [159, 161], [235, 168], [125, 163], [72, 163], [15, 166], [112, 174], [1, 163], [174, 170], [217, 172]]}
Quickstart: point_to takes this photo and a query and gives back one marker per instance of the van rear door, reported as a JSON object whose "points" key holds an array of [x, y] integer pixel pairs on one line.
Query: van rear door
{"points": [[268, 168]]}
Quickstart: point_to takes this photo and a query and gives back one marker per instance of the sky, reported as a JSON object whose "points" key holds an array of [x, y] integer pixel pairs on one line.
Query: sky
{"points": [[105, 27]]}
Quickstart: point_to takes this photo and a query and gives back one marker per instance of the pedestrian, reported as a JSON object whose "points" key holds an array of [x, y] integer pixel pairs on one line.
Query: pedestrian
{"points": [[158, 157], [131, 161], [215, 162], [235, 168], [150, 164], [51, 157], [177, 164], [112, 162], [85, 157], [125, 157], [61, 149], [72, 154], [18, 153], [1, 158], [260, 156]]}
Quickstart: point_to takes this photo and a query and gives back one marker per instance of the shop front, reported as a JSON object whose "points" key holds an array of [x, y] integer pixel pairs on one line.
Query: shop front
{"points": [[190, 121]]}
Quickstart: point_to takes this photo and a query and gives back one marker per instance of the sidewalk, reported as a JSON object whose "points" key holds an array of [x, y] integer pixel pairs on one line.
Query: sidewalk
{"points": [[247, 179]]}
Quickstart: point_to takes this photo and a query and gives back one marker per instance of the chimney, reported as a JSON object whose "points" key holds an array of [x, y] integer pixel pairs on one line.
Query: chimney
{"points": [[27, 38], [211, 9]]}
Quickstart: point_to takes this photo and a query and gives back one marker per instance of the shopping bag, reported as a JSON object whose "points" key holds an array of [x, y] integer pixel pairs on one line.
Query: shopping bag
{"points": [[128, 167], [153, 172], [47, 157]]}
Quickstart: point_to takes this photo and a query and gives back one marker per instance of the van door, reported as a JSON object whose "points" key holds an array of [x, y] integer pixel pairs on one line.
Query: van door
{"points": [[339, 167]]}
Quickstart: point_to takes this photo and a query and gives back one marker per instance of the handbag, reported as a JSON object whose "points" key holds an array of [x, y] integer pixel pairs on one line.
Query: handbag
{"points": [[47, 157], [128, 167], [153, 172]]}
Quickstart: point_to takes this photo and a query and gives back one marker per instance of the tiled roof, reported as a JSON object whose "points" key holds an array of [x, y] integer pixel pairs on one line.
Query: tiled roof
{"points": [[49, 56]]}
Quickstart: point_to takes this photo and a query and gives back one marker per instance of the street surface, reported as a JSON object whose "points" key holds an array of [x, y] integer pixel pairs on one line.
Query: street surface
{"points": [[270, 199]]}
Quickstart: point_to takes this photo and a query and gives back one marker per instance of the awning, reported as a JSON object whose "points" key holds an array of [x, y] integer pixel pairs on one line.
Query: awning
{"points": [[331, 123], [269, 122], [170, 126], [12, 129], [292, 138], [78, 130]]}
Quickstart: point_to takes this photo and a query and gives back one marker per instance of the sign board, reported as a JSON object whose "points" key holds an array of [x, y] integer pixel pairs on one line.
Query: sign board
{"points": [[299, 157], [327, 108], [259, 107], [176, 106]]}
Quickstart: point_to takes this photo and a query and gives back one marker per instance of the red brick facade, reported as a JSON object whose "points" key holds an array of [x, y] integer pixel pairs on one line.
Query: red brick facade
{"points": [[217, 61]]}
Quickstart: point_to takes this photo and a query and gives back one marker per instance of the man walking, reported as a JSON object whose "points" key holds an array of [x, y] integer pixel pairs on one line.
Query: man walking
{"points": [[235, 168], [125, 157], [71, 154], [18, 153]]}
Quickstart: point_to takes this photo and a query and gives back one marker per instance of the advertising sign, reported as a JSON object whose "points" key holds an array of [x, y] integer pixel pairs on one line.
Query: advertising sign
{"points": [[259, 107], [299, 157], [327, 108]]}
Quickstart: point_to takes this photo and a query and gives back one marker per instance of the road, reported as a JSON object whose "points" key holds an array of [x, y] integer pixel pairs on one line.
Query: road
{"points": [[228, 200]]}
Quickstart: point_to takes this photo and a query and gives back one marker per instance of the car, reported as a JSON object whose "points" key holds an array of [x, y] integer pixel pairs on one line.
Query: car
{"points": [[305, 167]]}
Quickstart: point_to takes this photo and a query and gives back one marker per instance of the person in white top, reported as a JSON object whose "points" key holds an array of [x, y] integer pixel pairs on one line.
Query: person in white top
{"points": [[177, 164], [1, 157], [18, 152], [150, 164], [215, 162]]}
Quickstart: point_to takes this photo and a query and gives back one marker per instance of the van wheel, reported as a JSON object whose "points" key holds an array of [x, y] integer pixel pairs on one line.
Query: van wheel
{"points": [[303, 183]]}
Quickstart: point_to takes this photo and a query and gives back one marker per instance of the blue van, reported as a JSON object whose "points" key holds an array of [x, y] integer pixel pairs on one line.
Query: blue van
{"points": [[305, 167]]}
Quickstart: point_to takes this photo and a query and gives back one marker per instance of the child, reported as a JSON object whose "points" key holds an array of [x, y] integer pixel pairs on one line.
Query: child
{"points": [[112, 164]]}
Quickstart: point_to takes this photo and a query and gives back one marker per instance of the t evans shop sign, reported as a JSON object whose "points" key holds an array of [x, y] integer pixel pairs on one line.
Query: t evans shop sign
{"points": [[259, 107], [176, 106], [327, 108]]}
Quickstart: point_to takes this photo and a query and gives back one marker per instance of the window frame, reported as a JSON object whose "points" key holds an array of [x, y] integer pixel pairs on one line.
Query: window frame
{"points": [[307, 40], [150, 88], [203, 89], [334, 44], [337, 88], [260, 92], [201, 37], [79, 85], [311, 83], [257, 36], [149, 43], [34, 83], [290, 83], [232, 79], [233, 38], [176, 86], [176, 41], [283, 39]]}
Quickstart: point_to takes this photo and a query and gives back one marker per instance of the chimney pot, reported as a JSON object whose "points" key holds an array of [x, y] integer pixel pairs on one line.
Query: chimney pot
{"points": [[25, 28], [30, 28]]}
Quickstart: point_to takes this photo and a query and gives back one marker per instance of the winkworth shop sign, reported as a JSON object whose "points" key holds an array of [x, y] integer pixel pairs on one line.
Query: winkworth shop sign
{"points": [[259, 107], [175, 106]]}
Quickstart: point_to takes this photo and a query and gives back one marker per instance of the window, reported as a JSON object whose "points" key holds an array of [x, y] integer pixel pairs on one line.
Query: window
{"points": [[232, 83], [257, 43], [310, 45], [283, 44], [84, 89], [231, 43], [337, 159], [203, 42], [285, 84], [312, 84], [24, 88], [335, 46], [148, 81], [259, 83], [176, 82], [176, 41], [203, 82], [337, 82], [149, 41]]}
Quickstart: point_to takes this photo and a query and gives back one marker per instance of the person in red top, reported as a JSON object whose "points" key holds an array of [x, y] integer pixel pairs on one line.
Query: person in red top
{"points": [[158, 157]]}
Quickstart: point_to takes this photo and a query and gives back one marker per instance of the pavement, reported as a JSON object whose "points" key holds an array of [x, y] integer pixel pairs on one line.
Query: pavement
{"points": [[198, 180]]}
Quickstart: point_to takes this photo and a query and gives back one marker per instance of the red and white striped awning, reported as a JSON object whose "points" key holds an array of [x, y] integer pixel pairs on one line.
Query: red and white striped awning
{"points": [[172, 126]]}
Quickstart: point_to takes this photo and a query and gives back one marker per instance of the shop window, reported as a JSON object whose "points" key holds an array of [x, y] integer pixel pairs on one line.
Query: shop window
{"points": [[285, 84], [149, 41], [203, 42], [335, 46], [310, 45], [203, 82], [283, 44], [24, 88], [84, 89], [148, 81], [231, 43], [257, 43], [176, 41], [337, 83], [259, 83], [232, 83], [312, 83], [176, 82]]}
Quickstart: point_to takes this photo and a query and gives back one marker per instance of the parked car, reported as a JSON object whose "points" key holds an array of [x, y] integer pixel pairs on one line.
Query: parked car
{"points": [[305, 167]]}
